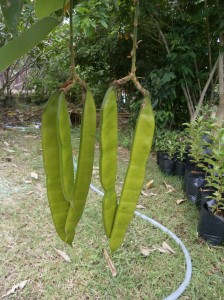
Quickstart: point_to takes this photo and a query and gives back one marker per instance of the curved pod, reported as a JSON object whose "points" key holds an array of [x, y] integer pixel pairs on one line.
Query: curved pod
{"points": [[108, 157], [65, 150], [135, 174], [85, 160], [66, 198], [51, 155]]}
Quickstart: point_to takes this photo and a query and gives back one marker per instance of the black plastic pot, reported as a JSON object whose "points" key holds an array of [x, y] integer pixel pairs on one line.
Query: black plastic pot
{"points": [[163, 156], [168, 166], [193, 181], [189, 159], [202, 196], [207, 149], [159, 155], [180, 167], [190, 166], [210, 226]]}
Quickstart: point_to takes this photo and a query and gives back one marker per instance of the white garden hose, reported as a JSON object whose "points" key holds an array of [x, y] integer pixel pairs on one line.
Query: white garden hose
{"points": [[178, 292]]}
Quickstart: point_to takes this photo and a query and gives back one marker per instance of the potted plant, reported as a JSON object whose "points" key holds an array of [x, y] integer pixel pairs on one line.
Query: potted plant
{"points": [[195, 131], [211, 223], [159, 146], [180, 164], [207, 189], [170, 160], [166, 146], [194, 177], [162, 148]]}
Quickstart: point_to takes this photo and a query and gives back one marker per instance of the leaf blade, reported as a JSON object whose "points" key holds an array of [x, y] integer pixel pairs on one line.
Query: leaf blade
{"points": [[26, 41], [11, 10], [45, 8]]}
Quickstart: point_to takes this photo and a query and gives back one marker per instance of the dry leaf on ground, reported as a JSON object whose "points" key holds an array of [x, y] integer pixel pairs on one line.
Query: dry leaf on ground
{"points": [[27, 181], [146, 251], [169, 187], [6, 144], [34, 175], [149, 184], [63, 255], [30, 136], [152, 194], [110, 263], [29, 193], [20, 286], [162, 250], [140, 206], [179, 201], [9, 150], [168, 248], [144, 193], [165, 248]]}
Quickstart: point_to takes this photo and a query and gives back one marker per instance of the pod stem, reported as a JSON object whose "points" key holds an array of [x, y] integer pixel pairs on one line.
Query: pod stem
{"points": [[68, 85], [132, 75], [72, 51], [135, 37]]}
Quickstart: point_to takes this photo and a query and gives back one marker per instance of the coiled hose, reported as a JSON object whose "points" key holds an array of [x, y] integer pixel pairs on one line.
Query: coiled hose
{"points": [[178, 292]]}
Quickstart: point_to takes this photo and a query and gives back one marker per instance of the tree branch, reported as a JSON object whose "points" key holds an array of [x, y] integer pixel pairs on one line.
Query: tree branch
{"points": [[200, 102], [220, 110], [197, 74], [162, 36], [189, 104]]}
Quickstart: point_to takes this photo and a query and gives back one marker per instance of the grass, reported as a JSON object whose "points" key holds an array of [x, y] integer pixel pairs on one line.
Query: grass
{"points": [[28, 239]]}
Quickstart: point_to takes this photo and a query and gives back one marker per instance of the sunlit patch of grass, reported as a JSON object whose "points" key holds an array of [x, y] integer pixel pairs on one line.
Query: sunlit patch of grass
{"points": [[28, 239]]}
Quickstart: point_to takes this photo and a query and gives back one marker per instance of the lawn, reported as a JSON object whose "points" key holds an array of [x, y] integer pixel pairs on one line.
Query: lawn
{"points": [[29, 242]]}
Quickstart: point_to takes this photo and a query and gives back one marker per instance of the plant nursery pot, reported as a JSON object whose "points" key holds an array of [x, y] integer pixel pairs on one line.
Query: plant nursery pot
{"points": [[163, 156], [190, 166], [208, 151], [159, 155], [193, 167], [210, 226], [168, 166], [180, 167], [193, 180], [189, 159], [188, 169], [202, 195], [207, 138]]}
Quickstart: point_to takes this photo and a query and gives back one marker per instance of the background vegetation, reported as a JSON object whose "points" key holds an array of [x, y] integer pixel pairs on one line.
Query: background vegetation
{"points": [[180, 46]]}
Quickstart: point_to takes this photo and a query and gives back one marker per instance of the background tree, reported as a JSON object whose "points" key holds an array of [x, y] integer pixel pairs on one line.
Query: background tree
{"points": [[24, 20], [179, 51]]}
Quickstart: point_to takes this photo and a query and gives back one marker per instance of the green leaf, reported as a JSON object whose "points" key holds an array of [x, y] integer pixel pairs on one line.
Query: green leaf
{"points": [[103, 23], [26, 41], [11, 10], [43, 8], [116, 4]]}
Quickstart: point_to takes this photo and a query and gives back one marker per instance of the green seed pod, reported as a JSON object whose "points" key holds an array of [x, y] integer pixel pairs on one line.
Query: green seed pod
{"points": [[108, 157]]}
